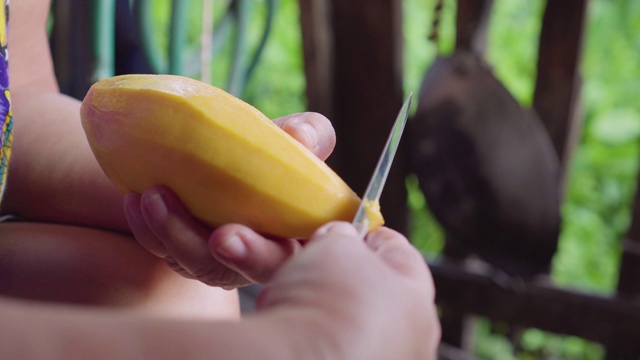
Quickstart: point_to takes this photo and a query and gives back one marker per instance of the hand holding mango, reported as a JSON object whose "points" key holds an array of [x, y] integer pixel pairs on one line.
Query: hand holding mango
{"points": [[226, 161]]}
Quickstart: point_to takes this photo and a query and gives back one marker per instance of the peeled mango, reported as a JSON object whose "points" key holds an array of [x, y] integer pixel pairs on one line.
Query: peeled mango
{"points": [[225, 160]]}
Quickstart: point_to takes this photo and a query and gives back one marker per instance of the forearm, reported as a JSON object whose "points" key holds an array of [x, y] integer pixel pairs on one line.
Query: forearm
{"points": [[39, 331], [86, 266], [53, 176]]}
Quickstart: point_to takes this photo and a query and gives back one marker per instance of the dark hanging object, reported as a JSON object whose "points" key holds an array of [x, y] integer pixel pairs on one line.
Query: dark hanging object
{"points": [[129, 55], [487, 167]]}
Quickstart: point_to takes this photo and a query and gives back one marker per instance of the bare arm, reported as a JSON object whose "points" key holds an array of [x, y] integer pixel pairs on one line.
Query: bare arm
{"points": [[37, 331], [338, 298], [53, 176]]}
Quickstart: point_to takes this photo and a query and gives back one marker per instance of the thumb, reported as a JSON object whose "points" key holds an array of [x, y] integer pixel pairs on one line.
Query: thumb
{"points": [[400, 255], [337, 230]]}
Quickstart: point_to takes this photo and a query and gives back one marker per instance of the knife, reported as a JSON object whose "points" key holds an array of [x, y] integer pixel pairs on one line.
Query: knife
{"points": [[379, 177]]}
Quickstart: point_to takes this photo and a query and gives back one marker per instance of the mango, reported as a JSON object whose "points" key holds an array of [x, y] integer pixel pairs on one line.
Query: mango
{"points": [[225, 160]]}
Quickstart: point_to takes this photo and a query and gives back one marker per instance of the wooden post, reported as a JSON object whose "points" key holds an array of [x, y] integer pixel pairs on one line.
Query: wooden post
{"points": [[353, 63], [317, 38], [472, 19], [558, 82], [629, 280]]}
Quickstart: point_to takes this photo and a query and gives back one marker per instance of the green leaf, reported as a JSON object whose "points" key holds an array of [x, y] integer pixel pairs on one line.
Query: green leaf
{"points": [[618, 126]]}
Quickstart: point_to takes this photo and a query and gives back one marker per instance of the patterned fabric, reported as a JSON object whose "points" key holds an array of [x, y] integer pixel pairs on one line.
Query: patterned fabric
{"points": [[6, 116]]}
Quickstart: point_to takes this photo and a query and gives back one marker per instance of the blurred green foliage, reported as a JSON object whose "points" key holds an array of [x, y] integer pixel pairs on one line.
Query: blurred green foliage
{"points": [[602, 174], [277, 86]]}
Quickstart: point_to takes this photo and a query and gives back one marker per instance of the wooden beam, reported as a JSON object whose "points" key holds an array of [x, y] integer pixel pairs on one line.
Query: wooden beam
{"points": [[603, 319]]}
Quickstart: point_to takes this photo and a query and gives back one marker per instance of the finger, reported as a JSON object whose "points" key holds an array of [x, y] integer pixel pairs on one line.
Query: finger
{"points": [[249, 253], [141, 231], [333, 240], [185, 238], [330, 253], [397, 252], [145, 236], [311, 129]]}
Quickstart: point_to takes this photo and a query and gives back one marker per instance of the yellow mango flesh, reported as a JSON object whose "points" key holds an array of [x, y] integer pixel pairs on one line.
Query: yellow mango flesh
{"points": [[225, 160]]}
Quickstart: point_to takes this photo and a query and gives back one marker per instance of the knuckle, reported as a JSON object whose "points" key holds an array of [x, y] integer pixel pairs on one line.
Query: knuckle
{"points": [[177, 268], [216, 275], [220, 276]]}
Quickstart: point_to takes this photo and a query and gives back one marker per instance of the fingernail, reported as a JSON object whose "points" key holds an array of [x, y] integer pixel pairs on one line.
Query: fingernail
{"points": [[337, 227], [375, 240], [233, 248], [156, 206], [310, 133]]}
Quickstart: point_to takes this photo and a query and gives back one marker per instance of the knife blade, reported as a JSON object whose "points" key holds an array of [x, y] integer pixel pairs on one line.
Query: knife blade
{"points": [[379, 177]]}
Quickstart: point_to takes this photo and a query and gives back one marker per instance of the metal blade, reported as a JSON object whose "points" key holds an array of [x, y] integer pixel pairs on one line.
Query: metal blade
{"points": [[379, 177]]}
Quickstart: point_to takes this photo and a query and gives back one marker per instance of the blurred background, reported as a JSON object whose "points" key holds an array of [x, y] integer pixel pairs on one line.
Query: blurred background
{"points": [[255, 50]]}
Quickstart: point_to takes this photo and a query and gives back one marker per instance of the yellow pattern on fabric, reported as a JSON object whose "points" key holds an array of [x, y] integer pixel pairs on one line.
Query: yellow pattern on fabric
{"points": [[6, 114], [7, 139], [3, 26]]}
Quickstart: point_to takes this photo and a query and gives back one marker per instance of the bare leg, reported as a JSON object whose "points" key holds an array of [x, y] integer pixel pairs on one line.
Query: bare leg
{"points": [[86, 266]]}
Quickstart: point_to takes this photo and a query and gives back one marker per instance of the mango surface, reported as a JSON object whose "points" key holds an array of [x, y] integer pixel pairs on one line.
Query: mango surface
{"points": [[224, 159]]}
